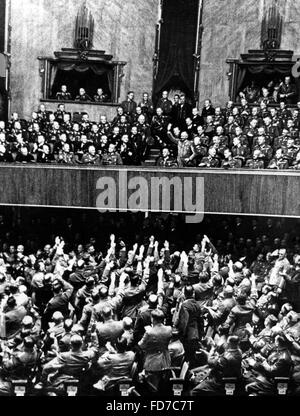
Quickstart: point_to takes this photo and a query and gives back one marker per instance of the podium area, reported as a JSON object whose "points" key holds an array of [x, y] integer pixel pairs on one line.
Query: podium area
{"points": [[237, 192]]}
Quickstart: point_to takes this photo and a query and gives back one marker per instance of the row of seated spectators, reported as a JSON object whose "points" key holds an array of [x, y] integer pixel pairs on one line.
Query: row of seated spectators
{"points": [[233, 137], [140, 311]]}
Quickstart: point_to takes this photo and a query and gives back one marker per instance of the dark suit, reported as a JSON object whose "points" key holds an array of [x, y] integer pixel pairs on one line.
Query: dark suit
{"points": [[184, 111], [129, 106], [289, 91], [166, 105], [190, 326]]}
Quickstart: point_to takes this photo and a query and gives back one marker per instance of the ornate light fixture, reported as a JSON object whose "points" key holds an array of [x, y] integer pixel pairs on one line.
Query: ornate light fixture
{"points": [[84, 29], [271, 29]]}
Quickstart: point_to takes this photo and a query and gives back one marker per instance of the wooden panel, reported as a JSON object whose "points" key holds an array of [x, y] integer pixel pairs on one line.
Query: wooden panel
{"points": [[234, 192]]}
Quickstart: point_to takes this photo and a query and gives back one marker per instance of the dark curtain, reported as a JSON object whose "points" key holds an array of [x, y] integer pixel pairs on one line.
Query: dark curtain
{"points": [[177, 44], [262, 74], [85, 76], [70, 66], [268, 69], [240, 77], [2, 24]]}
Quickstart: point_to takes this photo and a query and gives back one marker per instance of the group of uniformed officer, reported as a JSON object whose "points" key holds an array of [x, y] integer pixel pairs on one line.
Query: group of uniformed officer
{"points": [[254, 137]]}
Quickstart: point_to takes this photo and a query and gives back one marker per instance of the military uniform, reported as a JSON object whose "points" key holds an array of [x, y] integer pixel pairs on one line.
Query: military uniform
{"points": [[240, 151], [281, 163], [108, 331], [159, 126], [147, 107], [155, 344], [190, 326], [63, 96], [115, 366], [210, 162], [207, 111], [129, 107], [166, 162], [280, 141], [279, 364], [166, 105], [127, 153], [289, 92], [83, 97], [68, 364], [111, 159], [100, 98], [104, 128], [232, 163], [228, 364], [251, 94], [88, 159], [13, 320], [290, 152], [266, 150]]}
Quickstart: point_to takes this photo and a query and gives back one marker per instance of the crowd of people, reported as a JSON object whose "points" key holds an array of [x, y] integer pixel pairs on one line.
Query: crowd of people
{"points": [[138, 306], [271, 93], [255, 136], [65, 95]]}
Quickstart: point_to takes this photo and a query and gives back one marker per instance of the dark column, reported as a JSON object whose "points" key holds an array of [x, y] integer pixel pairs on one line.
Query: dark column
{"points": [[3, 92]]}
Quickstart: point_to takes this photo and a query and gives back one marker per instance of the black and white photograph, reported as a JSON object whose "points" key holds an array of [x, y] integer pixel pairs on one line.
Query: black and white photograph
{"points": [[149, 201]]}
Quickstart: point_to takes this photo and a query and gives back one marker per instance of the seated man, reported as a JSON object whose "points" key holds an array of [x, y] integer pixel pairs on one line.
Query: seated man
{"points": [[13, 315], [24, 156], [111, 157], [278, 364], [212, 160], [83, 96], [5, 155], [65, 155], [100, 97], [199, 152], [90, 157], [230, 162], [68, 364], [227, 364], [287, 91], [256, 162], [115, 365], [279, 161], [63, 94], [21, 363], [166, 160]]}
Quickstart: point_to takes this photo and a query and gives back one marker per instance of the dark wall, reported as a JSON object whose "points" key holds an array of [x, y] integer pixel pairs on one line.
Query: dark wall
{"points": [[2, 24], [265, 193]]}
